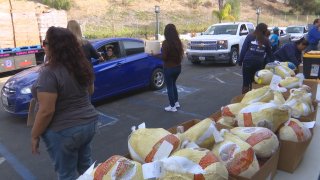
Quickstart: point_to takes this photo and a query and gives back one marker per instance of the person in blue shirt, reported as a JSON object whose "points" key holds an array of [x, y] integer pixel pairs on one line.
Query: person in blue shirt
{"points": [[255, 49], [292, 52], [274, 39], [314, 36]]}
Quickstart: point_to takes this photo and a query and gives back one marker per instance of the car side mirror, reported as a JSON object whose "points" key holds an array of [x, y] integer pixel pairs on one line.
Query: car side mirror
{"points": [[244, 32]]}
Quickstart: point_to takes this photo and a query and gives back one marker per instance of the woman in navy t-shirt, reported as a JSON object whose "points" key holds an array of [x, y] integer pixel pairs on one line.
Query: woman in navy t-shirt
{"points": [[255, 51]]}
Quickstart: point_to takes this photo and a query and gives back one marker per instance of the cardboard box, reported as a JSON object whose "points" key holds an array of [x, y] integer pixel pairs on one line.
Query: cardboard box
{"points": [[216, 116], [257, 86], [268, 168], [313, 84], [291, 154], [237, 99], [312, 116]]}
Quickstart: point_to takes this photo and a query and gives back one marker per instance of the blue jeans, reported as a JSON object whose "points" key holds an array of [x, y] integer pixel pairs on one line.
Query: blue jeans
{"points": [[249, 69], [70, 149], [171, 75]]}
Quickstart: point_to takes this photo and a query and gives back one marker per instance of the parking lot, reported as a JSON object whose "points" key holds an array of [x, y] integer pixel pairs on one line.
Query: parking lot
{"points": [[203, 90]]}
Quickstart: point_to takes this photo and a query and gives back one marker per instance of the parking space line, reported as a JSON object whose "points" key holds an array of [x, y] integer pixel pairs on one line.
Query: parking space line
{"points": [[2, 160], [237, 74], [16, 164], [218, 79], [106, 120]]}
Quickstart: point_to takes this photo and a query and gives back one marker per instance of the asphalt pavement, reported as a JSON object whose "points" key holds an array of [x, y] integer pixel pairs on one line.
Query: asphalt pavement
{"points": [[203, 89]]}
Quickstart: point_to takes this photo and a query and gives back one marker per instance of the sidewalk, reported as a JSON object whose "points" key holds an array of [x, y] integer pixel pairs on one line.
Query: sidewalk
{"points": [[309, 168]]}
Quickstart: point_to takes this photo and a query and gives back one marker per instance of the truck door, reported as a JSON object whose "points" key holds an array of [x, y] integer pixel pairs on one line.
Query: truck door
{"points": [[243, 32]]}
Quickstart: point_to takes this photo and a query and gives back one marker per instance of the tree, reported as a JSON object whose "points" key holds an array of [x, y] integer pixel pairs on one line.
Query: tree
{"points": [[235, 8], [224, 13], [220, 3]]}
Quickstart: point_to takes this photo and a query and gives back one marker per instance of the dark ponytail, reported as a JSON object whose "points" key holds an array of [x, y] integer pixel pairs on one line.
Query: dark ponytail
{"points": [[260, 33]]}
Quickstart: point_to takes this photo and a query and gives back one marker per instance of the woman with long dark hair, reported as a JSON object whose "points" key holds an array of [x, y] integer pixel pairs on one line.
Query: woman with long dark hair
{"points": [[172, 54], [255, 51], [65, 117]]}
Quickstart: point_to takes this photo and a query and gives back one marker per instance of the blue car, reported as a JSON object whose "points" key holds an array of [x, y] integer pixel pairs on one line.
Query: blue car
{"points": [[131, 69]]}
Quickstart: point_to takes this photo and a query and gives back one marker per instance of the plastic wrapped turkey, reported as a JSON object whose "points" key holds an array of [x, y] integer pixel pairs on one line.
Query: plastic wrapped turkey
{"points": [[229, 113], [150, 144], [263, 94], [300, 101], [263, 77], [118, 167], [269, 115], [204, 134], [237, 155], [214, 169], [294, 131], [263, 141]]}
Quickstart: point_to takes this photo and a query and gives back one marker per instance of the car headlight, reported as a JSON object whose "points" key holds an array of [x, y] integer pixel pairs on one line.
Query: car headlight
{"points": [[222, 44], [26, 90]]}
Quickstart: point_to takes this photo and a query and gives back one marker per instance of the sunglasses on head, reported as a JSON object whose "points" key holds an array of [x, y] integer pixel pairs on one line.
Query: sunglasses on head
{"points": [[45, 43]]}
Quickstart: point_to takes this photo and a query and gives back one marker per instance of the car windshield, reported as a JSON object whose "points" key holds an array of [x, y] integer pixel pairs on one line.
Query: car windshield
{"points": [[222, 29], [295, 30]]}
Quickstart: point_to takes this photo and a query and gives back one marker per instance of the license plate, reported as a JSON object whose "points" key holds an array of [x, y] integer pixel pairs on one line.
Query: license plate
{"points": [[202, 58], [5, 100]]}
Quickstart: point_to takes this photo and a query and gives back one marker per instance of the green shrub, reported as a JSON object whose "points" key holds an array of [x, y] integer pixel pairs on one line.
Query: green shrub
{"points": [[58, 4]]}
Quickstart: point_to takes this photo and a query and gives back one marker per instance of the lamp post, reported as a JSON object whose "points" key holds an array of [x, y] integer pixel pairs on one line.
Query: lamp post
{"points": [[157, 11], [258, 14]]}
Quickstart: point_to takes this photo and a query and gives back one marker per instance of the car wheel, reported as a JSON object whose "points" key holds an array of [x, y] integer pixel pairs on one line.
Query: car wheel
{"points": [[234, 55], [157, 79]]}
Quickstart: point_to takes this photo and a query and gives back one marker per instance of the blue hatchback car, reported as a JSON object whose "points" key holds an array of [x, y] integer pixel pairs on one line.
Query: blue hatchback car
{"points": [[131, 69]]}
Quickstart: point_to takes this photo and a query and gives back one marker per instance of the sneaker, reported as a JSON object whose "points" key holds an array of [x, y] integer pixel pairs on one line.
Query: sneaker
{"points": [[177, 105], [170, 109]]}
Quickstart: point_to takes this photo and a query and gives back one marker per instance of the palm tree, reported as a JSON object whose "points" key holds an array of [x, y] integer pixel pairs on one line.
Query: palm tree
{"points": [[224, 13]]}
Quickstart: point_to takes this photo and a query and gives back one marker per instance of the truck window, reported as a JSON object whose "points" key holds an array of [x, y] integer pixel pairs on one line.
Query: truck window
{"points": [[243, 28], [133, 47], [251, 28]]}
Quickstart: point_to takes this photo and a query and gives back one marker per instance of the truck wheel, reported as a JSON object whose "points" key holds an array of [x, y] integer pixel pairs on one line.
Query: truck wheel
{"points": [[234, 55], [157, 79]]}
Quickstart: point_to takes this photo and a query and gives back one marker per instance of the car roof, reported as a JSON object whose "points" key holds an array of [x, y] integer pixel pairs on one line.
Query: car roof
{"points": [[98, 42], [232, 23]]}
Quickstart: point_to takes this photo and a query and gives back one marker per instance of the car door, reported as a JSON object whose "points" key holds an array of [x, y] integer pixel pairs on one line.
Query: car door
{"points": [[136, 66], [109, 77]]}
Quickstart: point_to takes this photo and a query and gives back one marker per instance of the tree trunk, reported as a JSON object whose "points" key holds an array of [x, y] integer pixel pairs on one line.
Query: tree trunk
{"points": [[220, 2]]}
